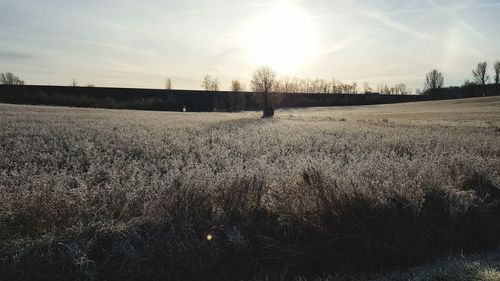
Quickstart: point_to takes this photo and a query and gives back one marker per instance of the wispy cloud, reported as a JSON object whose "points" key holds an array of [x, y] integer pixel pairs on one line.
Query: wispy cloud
{"points": [[8, 55], [341, 45], [457, 19], [225, 9], [214, 59], [475, 4], [488, 5], [358, 13], [383, 18], [126, 42]]}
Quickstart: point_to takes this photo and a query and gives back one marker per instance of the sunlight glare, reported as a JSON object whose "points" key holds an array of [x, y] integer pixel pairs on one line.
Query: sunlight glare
{"points": [[284, 38]]}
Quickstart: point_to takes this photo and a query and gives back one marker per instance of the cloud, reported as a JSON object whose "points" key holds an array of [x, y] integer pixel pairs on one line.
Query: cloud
{"points": [[382, 17], [225, 9], [341, 46], [222, 55], [7, 55], [94, 40], [458, 20], [474, 4]]}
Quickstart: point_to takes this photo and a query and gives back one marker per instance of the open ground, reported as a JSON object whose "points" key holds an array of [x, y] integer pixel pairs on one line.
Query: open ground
{"points": [[345, 192]]}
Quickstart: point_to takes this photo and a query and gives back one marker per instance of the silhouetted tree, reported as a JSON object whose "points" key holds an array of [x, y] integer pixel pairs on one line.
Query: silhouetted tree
{"points": [[366, 88], [496, 67], [236, 100], [434, 81], [316, 86], [383, 89], [479, 74], [10, 79], [168, 84], [263, 80], [468, 83], [401, 89], [207, 82], [215, 84], [236, 86], [210, 84]]}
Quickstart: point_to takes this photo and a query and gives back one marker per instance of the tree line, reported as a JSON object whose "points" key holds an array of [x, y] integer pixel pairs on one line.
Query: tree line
{"points": [[434, 82], [295, 85]]}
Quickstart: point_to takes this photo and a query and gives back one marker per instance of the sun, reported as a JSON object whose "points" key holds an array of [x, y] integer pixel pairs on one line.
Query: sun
{"points": [[284, 38]]}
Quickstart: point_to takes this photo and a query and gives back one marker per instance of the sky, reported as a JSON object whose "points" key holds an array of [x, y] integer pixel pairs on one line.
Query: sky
{"points": [[126, 43]]}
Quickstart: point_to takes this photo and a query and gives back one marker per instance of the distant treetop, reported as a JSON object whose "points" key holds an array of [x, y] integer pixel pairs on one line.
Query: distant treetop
{"points": [[10, 79]]}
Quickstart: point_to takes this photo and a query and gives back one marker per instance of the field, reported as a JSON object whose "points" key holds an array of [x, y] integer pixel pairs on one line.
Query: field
{"points": [[337, 193]]}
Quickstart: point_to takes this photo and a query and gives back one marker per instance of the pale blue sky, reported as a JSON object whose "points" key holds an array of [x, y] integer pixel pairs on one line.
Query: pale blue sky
{"points": [[130, 43]]}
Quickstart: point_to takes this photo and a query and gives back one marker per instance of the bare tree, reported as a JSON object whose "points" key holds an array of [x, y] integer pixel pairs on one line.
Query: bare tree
{"points": [[10, 79], [434, 81], [263, 80], [210, 84], [236, 86], [401, 89], [215, 84], [206, 83], [366, 88], [383, 89], [237, 102], [168, 84], [479, 74], [316, 86], [496, 67], [398, 89]]}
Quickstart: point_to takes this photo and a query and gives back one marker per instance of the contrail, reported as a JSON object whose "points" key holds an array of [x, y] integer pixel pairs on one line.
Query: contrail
{"points": [[460, 21]]}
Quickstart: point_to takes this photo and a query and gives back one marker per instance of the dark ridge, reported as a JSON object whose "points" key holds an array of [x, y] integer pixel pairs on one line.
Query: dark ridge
{"points": [[203, 101]]}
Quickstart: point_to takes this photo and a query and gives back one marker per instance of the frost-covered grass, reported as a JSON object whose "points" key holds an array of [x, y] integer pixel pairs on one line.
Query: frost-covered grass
{"points": [[113, 195], [484, 267]]}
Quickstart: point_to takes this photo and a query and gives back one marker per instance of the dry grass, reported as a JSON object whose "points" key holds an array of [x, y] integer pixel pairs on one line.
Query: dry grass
{"points": [[485, 267], [111, 195], [477, 112]]}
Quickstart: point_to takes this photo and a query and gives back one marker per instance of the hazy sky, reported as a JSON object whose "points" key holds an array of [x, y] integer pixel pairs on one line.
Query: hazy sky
{"points": [[130, 43]]}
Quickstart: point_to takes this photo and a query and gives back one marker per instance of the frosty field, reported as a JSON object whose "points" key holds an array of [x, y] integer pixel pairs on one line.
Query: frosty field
{"points": [[89, 194]]}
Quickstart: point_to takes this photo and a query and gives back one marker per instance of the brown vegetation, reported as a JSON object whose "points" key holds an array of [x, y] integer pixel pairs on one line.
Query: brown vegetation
{"points": [[112, 195]]}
